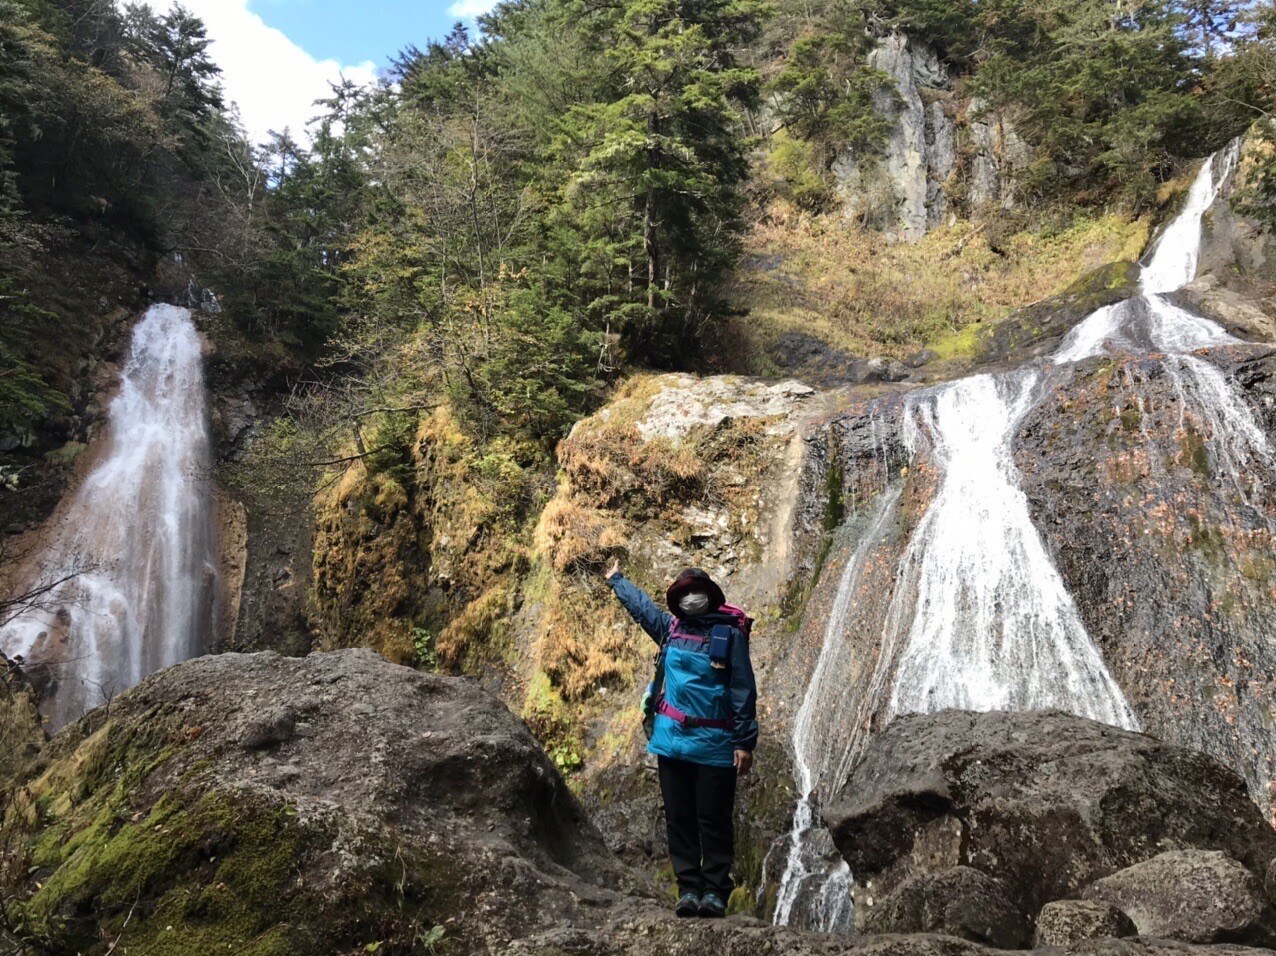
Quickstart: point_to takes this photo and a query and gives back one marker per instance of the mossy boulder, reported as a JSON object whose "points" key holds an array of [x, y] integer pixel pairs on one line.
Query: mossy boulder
{"points": [[270, 805]]}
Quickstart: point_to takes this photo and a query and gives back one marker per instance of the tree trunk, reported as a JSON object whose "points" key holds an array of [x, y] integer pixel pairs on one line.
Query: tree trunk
{"points": [[649, 214]]}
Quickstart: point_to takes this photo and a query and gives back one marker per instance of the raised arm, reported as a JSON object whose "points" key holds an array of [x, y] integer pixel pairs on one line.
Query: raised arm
{"points": [[640, 606]]}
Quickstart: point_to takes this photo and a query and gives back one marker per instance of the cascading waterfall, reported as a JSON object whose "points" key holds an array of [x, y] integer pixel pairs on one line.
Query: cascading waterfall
{"points": [[1150, 323], [992, 626], [980, 618], [133, 546]]}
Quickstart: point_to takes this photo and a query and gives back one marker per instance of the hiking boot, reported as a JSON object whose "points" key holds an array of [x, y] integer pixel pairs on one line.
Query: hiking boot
{"points": [[688, 905], [711, 905]]}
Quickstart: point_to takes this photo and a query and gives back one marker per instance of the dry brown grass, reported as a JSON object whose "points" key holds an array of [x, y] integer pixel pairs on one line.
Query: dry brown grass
{"points": [[588, 643], [575, 537], [855, 290]]}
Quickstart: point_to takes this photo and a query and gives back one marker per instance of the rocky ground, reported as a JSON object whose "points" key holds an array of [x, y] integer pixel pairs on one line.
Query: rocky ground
{"points": [[342, 804]]}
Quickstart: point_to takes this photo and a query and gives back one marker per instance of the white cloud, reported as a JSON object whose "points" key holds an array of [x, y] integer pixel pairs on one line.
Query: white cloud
{"points": [[274, 81], [470, 9]]}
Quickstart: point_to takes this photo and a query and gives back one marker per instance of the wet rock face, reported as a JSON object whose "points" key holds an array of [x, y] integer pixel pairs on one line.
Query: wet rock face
{"points": [[1154, 511], [318, 804], [1045, 802], [1068, 922], [1237, 251], [1195, 896]]}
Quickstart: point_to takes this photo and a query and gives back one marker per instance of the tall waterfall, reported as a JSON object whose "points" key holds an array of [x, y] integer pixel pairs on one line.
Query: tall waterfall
{"points": [[133, 545], [980, 618]]}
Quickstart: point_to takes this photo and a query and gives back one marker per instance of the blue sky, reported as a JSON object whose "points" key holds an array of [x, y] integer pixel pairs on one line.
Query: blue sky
{"points": [[352, 31], [279, 56]]}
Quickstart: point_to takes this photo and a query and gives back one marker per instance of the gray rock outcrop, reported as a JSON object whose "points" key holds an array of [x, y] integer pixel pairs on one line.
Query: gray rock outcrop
{"points": [[1045, 802], [940, 150], [1068, 922], [903, 192], [997, 154], [1196, 896]]}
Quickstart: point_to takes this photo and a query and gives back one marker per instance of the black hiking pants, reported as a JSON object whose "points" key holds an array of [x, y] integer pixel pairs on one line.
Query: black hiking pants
{"points": [[700, 817]]}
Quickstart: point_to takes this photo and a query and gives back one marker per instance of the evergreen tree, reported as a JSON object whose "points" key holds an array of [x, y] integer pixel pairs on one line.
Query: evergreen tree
{"points": [[658, 164]]}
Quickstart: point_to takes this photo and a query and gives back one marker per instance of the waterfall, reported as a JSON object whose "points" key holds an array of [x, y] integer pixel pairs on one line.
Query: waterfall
{"points": [[980, 618], [133, 545], [815, 877], [1150, 323], [992, 626]]}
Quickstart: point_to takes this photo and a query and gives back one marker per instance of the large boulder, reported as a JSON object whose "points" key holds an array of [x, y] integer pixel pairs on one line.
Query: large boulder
{"points": [[265, 804], [956, 902], [1067, 922], [1198, 896], [1045, 802]]}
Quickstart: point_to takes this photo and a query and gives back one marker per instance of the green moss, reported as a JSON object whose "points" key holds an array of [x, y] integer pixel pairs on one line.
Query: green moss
{"points": [[1206, 539], [1195, 454], [553, 723], [116, 862], [964, 343], [1258, 568], [65, 456]]}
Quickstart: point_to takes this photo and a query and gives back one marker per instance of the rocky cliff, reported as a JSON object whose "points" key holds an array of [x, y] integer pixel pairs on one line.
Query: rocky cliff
{"points": [[945, 153]]}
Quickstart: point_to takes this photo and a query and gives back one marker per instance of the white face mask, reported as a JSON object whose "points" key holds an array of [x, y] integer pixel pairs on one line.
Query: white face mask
{"points": [[693, 604]]}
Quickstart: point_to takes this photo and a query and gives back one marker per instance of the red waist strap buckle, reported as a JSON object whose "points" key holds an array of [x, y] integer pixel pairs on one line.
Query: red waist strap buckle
{"points": [[690, 720]]}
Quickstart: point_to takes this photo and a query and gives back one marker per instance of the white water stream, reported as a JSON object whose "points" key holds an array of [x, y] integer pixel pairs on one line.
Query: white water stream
{"points": [[980, 618], [134, 542], [815, 878]]}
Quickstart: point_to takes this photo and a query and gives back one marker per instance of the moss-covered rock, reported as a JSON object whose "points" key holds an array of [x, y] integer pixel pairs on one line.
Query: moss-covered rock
{"points": [[268, 805], [1037, 329], [21, 728]]}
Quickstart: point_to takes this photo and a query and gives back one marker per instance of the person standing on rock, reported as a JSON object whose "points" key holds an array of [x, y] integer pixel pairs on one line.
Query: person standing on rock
{"points": [[703, 726]]}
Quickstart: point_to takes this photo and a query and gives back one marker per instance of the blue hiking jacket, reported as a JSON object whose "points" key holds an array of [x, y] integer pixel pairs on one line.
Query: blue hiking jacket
{"points": [[694, 686]]}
